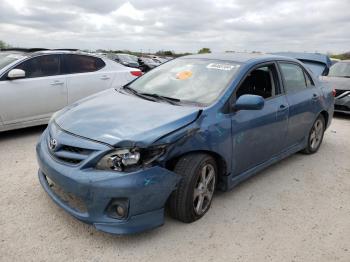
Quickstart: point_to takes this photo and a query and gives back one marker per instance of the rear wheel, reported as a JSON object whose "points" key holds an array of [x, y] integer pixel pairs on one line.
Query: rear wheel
{"points": [[194, 194], [316, 136]]}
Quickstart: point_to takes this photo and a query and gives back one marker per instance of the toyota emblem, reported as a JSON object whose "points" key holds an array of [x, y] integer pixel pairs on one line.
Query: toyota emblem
{"points": [[52, 144]]}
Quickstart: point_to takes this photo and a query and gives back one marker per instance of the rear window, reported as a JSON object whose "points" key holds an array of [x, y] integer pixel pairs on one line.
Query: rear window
{"points": [[82, 64]]}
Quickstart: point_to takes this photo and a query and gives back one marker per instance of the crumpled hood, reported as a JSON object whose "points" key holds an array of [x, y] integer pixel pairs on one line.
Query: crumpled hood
{"points": [[340, 83], [118, 119]]}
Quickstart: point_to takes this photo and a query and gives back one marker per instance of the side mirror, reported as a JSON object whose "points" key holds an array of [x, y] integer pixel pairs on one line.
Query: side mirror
{"points": [[16, 74], [249, 102]]}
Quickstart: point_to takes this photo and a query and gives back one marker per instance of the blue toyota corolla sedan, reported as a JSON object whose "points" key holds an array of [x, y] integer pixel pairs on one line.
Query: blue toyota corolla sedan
{"points": [[173, 136]]}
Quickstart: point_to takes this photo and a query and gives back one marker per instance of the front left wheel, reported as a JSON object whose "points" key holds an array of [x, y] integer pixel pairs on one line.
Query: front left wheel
{"points": [[193, 196]]}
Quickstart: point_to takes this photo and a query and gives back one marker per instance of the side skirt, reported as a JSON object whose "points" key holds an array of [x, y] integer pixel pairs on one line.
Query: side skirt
{"points": [[231, 181]]}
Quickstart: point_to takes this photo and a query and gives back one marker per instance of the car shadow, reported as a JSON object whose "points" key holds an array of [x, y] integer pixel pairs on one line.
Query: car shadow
{"points": [[23, 132], [342, 116]]}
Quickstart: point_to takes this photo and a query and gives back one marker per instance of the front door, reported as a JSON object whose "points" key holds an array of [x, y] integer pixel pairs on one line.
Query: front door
{"points": [[258, 135], [41, 93]]}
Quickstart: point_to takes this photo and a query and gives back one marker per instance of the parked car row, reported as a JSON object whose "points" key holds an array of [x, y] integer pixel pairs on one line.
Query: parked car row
{"points": [[144, 63]]}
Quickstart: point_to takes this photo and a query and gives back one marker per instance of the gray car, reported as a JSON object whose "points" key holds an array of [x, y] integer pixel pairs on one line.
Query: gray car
{"points": [[339, 79]]}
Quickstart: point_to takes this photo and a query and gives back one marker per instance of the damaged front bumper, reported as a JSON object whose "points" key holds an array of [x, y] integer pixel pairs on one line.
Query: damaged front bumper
{"points": [[144, 192]]}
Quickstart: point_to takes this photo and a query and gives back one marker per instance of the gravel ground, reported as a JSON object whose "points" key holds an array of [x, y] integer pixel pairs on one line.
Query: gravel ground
{"points": [[296, 210]]}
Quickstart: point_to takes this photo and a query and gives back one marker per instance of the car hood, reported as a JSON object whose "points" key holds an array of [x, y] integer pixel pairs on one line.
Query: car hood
{"points": [[122, 119], [340, 83]]}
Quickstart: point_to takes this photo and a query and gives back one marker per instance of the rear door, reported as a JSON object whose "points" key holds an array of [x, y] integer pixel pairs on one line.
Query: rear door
{"points": [[42, 92], [258, 135], [303, 98], [85, 75]]}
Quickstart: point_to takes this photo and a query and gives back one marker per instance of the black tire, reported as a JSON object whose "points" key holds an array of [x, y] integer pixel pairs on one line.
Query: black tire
{"points": [[312, 148], [182, 201]]}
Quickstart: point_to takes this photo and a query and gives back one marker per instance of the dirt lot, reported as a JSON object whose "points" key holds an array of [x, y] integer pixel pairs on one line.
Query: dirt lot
{"points": [[296, 210]]}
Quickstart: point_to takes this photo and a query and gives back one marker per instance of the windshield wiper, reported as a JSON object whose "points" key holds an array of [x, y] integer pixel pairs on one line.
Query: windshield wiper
{"points": [[131, 90], [136, 93], [151, 97], [170, 100]]}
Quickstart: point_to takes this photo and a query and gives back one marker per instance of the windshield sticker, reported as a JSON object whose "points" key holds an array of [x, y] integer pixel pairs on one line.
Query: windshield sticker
{"points": [[184, 75], [225, 67]]}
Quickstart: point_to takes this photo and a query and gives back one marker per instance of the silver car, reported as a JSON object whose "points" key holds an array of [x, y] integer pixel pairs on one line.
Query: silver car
{"points": [[35, 84], [339, 79]]}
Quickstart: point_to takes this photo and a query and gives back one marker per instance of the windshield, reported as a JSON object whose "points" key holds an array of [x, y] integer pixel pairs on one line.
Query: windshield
{"points": [[147, 60], [8, 58], [126, 58], [192, 80], [340, 69]]}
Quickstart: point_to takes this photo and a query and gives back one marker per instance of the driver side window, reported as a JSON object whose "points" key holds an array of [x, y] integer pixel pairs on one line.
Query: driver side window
{"points": [[46, 65], [262, 81]]}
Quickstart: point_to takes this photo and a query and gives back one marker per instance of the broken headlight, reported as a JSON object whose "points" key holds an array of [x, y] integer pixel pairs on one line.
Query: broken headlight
{"points": [[121, 159]]}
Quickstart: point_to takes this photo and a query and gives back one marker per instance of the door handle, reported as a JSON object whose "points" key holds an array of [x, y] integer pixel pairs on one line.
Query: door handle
{"points": [[282, 108], [105, 77], [57, 83]]}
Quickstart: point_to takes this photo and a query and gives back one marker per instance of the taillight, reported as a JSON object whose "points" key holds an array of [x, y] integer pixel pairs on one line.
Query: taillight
{"points": [[136, 73], [334, 93]]}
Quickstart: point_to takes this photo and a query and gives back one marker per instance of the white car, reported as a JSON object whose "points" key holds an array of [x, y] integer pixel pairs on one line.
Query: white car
{"points": [[35, 84]]}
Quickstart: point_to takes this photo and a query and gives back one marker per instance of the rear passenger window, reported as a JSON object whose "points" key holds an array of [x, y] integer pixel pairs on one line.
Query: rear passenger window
{"points": [[82, 64], [294, 79], [46, 65]]}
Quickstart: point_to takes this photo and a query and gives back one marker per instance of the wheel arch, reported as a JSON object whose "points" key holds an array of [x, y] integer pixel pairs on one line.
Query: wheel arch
{"points": [[325, 115], [220, 162]]}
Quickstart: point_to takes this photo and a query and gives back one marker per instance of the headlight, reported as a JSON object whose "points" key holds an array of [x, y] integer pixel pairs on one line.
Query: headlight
{"points": [[121, 159]]}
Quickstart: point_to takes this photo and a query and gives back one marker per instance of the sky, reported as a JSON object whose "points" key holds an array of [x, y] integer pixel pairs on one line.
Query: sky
{"points": [[178, 25]]}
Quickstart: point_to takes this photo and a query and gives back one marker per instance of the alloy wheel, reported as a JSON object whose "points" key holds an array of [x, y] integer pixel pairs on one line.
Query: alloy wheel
{"points": [[316, 134], [204, 189]]}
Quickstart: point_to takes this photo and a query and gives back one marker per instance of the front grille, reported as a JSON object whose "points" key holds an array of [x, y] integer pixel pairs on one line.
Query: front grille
{"points": [[70, 199], [339, 92], [69, 160], [69, 154], [76, 150]]}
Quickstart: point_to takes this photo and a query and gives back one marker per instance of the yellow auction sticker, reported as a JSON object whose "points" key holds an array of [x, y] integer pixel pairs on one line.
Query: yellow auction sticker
{"points": [[184, 75]]}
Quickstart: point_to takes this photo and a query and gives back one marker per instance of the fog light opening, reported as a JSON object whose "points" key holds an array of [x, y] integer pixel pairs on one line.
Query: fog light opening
{"points": [[118, 208]]}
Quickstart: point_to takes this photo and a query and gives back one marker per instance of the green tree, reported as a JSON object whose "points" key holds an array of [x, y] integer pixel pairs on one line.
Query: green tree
{"points": [[204, 50], [342, 56], [3, 44], [165, 53]]}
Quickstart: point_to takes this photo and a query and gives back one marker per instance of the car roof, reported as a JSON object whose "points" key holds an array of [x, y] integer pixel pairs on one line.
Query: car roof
{"points": [[46, 52], [241, 57], [31, 52]]}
